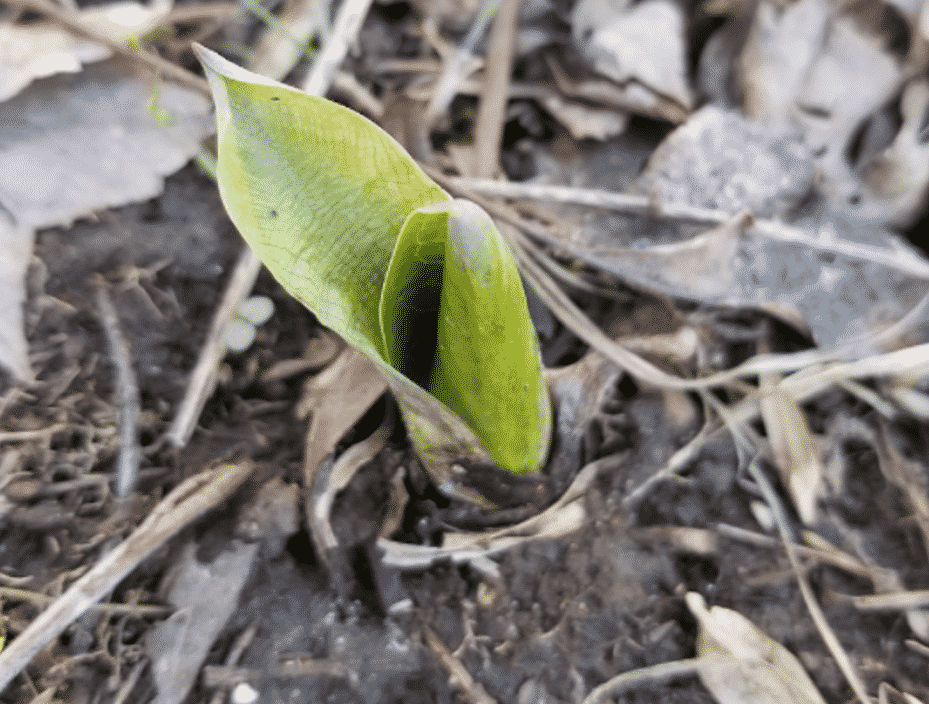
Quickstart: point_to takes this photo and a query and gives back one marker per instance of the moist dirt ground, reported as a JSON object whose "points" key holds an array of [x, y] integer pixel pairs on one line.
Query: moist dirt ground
{"points": [[562, 616]]}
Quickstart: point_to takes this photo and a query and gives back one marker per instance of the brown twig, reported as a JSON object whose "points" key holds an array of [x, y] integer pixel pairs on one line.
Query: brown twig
{"points": [[471, 690], [140, 610]]}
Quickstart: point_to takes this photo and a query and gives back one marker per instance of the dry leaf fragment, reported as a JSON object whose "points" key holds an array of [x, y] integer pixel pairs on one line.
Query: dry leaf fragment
{"points": [[780, 46], [206, 595], [740, 664], [337, 398], [897, 179], [795, 450], [73, 144], [39, 50], [642, 42]]}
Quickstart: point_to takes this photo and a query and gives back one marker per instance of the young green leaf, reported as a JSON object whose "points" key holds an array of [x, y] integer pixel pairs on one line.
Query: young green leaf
{"points": [[423, 285], [488, 369]]}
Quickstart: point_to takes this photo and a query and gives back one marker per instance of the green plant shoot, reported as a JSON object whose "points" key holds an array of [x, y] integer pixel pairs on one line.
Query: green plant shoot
{"points": [[423, 284]]}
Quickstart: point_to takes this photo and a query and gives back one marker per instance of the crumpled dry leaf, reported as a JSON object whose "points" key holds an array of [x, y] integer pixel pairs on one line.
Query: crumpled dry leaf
{"points": [[825, 71], [794, 275], [844, 286], [644, 42], [896, 180], [719, 159], [740, 664], [337, 398], [41, 49], [583, 121], [75, 143], [780, 46], [72, 144]]}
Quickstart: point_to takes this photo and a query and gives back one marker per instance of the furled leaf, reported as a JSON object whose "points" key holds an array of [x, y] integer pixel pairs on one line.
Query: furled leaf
{"points": [[423, 285], [487, 344]]}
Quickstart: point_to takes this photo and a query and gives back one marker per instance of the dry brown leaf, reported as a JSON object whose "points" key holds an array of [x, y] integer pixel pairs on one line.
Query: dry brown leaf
{"points": [[796, 453], [740, 664], [337, 398], [897, 179]]}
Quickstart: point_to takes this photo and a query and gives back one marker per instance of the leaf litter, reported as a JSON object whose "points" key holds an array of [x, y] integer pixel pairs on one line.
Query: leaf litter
{"points": [[538, 603]]}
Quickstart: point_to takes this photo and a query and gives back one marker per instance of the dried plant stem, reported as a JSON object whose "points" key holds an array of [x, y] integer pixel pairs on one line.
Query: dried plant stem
{"points": [[127, 391], [471, 690], [203, 378], [139, 610], [488, 128], [345, 29], [655, 673]]}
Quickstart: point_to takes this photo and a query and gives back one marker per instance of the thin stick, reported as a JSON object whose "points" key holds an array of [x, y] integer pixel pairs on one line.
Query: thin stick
{"points": [[203, 378], [127, 391], [140, 610], [592, 197], [488, 128], [900, 259], [654, 673], [894, 601], [471, 690], [185, 504], [345, 29], [26, 435]]}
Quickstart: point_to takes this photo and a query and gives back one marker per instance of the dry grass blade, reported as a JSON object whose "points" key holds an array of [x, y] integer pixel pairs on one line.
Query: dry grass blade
{"points": [[337, 399], [323, 497], [627, 680], [203, 378], [347, 24], [127, 465]]}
